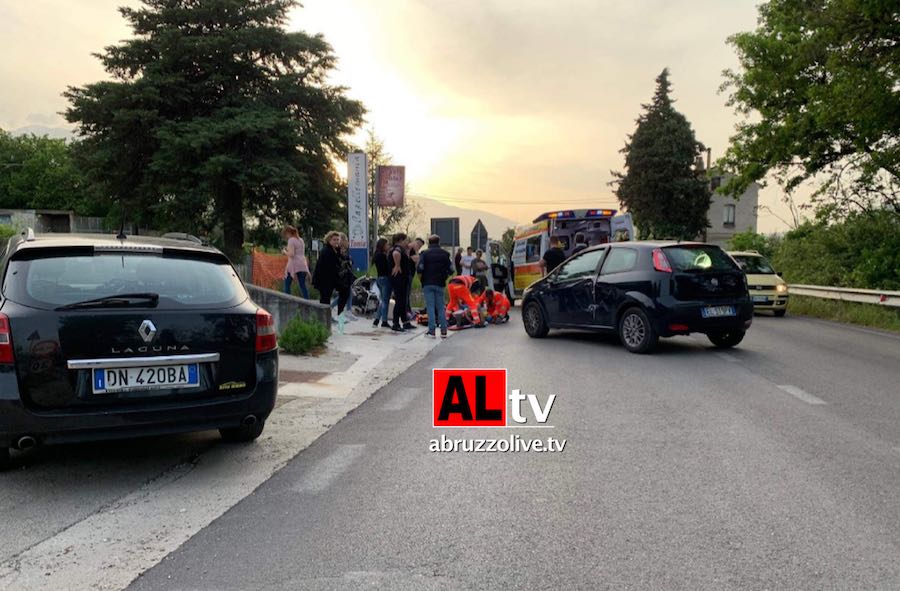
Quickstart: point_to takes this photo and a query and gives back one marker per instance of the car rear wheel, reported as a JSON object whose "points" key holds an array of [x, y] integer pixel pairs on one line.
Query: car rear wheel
{"points": [[726, 338], [636, 332], [779, 313], [244, 433], [535, 323]]}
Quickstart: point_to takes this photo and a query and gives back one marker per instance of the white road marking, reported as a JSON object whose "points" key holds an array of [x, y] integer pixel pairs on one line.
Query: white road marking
{"points": [[803, 395], [323, 474], [402, 398]]}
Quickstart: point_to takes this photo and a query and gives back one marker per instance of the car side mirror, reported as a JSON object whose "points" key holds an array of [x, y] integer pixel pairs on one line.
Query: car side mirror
{"points": [[778, 273]]}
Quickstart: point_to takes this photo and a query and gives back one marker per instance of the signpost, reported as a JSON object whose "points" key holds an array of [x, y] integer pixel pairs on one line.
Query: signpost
{"points": [[479, 236], [358, 210], [447, 229]]}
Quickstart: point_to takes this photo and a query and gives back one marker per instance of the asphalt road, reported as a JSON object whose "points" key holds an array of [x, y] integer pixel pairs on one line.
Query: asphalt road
{"points": [[775, 465]]}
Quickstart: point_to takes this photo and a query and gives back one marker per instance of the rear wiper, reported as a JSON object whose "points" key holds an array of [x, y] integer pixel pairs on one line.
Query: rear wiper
{"points": [[120, 299]]}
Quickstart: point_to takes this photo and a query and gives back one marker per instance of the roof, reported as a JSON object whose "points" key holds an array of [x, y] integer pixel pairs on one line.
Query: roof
{"points": [[647, 244], [107, 240]]}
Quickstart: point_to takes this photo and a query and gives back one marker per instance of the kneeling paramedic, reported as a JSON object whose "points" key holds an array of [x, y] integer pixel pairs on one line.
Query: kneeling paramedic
{"points": [[497, 307], [465, 293]]}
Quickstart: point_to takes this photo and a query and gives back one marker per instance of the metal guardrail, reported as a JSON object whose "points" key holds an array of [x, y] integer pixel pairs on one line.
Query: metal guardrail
{"points": [[865, 296]]}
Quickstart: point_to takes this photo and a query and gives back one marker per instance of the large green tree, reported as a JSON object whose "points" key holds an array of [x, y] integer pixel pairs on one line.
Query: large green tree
{"points": [[215, 112], [666, 193], [39, 173], [818, 83]]}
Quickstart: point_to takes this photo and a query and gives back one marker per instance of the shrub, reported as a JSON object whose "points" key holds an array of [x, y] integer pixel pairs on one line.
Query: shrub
{"points": [[861, 251], [302, 336]]}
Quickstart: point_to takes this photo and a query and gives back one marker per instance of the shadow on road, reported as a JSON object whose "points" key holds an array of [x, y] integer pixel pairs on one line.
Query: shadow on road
{"points": [[111, 456]]}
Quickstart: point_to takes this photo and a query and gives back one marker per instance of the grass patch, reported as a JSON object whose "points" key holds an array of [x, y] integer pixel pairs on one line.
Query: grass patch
{"points": [[302, 336], [873, 315]]}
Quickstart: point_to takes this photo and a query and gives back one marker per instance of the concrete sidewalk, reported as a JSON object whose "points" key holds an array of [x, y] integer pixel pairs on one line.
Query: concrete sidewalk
{"points": [[116, 542]]}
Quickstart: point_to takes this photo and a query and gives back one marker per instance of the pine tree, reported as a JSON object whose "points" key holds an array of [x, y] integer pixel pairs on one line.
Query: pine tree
{"points": [[667, 194], [214, 113]]}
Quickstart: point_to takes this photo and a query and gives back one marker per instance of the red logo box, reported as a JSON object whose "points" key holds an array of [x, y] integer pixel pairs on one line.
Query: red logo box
{"points": [[469, 397]]}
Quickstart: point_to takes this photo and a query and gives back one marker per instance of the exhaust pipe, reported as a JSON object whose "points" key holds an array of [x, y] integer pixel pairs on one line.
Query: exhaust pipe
{"points": [[25, 443], [249, 420]]}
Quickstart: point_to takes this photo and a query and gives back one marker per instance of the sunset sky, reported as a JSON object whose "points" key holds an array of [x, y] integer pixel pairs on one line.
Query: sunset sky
{"points": [[512, 106]]}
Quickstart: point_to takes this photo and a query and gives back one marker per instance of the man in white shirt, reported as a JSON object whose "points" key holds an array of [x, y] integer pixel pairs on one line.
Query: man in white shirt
{"points": [[467, 262]]}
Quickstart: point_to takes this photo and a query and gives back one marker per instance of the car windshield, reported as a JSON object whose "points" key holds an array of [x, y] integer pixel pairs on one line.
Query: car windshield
{"points": [[699, 258], [754, 264], [179, 282]]}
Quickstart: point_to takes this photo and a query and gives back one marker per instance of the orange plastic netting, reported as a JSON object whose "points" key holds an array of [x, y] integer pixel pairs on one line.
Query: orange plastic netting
{"points": [[268, 269]]}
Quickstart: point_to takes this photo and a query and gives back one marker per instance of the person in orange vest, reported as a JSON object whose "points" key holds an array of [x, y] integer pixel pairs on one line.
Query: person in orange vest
{"points": [[497, 307], [465, 293]]}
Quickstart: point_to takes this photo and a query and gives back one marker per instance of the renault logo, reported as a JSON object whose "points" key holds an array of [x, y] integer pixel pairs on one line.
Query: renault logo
{"points": [[147, 330]]}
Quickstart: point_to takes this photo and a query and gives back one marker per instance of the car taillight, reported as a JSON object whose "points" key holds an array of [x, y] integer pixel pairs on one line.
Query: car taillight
{"points": [[266, 339], [6, 346], [660, 262]]}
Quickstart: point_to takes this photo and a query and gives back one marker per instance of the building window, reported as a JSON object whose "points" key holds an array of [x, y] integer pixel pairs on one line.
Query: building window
{"points": [[728, 215], [715, 182]]}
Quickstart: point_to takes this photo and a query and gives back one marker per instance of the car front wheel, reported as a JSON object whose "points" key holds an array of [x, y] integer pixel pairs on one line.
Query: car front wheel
{"points": [[535, 324], [244, 433], [636, 332], [726, 338]]}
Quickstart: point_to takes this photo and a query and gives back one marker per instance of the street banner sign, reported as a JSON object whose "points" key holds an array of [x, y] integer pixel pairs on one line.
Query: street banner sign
{"points": [[358, 210], [447, 229], [390, 188]]}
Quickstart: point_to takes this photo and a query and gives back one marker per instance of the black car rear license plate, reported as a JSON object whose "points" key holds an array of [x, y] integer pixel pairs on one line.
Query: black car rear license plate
{"points": [[717, 311], [127, 379]]}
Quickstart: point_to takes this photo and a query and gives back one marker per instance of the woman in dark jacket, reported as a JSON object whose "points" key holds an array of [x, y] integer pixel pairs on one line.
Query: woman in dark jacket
{"points": [[326, 277], [383, 268]]}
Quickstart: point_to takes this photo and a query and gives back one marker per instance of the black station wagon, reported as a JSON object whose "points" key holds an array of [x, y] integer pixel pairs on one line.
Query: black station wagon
{"points": [[103, 338], [643, 291]]}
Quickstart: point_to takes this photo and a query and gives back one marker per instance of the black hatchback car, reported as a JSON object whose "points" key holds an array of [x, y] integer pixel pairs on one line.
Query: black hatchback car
{"points": [[103, 338], [643, 291]]}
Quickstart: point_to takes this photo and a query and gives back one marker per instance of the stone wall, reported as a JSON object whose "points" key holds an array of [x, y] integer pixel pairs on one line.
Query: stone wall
{"points": [[283, 307]]}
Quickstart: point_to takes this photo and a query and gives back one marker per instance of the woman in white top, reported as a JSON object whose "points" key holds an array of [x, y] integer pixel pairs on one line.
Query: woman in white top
{"points": [[297, 268]]}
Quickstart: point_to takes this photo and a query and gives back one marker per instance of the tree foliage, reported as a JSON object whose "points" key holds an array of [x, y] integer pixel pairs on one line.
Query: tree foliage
{"points": [[818, 84], [39, 173], [661, 186], [861, 251], [214, 113], [764, 244]]}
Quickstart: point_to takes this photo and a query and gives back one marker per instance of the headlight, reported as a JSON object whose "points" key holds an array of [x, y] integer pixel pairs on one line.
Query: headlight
{"points": [[781, 288]]}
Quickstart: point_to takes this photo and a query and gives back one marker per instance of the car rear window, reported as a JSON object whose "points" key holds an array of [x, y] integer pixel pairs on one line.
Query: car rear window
{"points": [[180, 282], [686, 259], [754, 264]]}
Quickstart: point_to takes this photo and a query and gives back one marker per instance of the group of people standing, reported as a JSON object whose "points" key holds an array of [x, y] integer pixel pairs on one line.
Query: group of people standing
{"points": [[397, 264], [333, 274]]}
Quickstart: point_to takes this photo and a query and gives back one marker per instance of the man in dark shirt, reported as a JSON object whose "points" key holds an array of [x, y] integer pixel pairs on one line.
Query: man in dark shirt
{"points": [[435, 267], [553, 257]]}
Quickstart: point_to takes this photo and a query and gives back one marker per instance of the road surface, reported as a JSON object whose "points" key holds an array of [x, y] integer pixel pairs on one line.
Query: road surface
{"points": [[774, 465]]}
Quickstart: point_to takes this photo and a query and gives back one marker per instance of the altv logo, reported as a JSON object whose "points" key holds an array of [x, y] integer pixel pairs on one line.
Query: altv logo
{"points": [[478, 398]]}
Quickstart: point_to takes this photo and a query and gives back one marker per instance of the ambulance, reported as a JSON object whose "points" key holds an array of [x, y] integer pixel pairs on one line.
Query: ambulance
{"points": [[532, 240]]}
